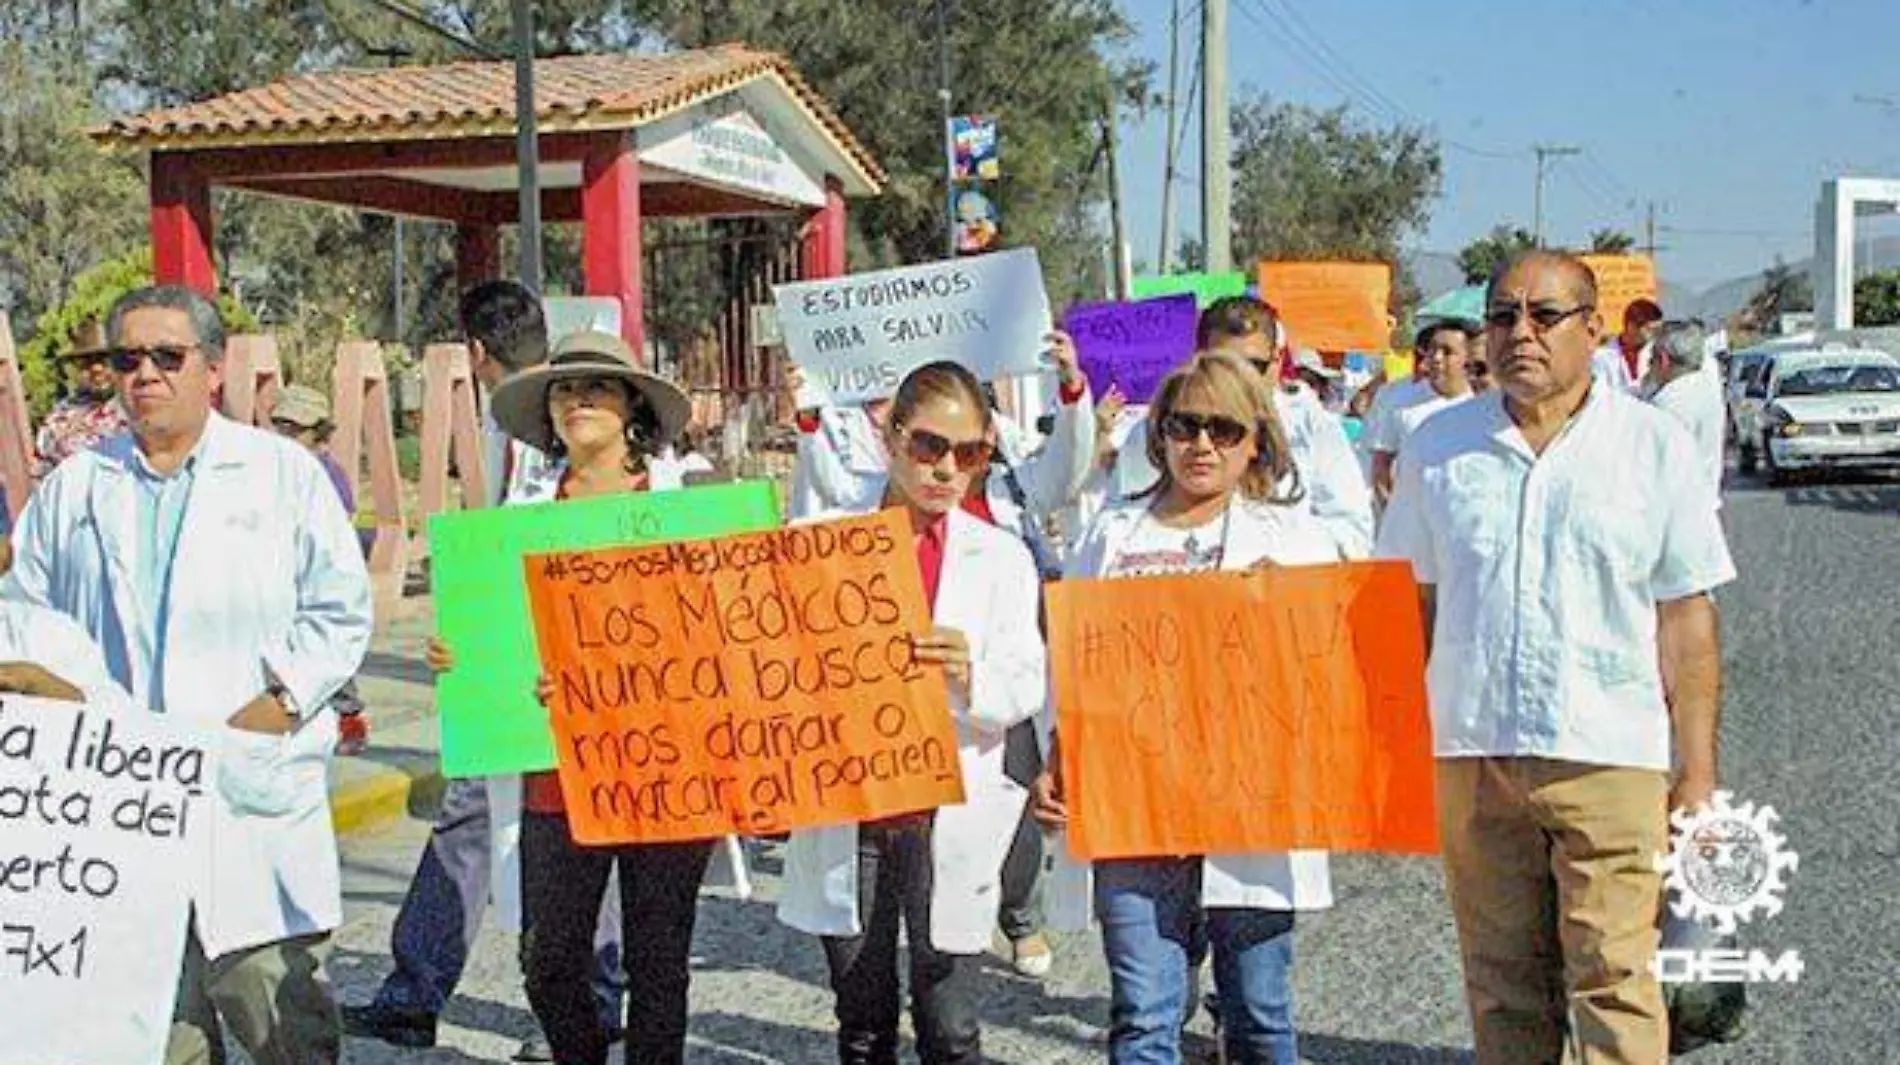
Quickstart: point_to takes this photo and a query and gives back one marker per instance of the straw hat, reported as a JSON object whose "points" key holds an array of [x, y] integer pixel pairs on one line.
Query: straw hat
{"points": [[520, 405], [303, 407], [89, 341]]}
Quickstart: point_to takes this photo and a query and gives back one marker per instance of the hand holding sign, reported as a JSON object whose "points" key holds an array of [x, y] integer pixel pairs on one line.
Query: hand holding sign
{"points": [[858, 336], [1132, 346]]}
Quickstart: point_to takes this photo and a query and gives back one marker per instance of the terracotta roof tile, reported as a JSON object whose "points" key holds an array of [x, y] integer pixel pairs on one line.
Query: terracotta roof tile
{"points": [[405, 102]]}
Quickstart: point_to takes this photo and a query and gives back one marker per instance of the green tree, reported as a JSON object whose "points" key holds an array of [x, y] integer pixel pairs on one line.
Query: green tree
{"points": [[93, 294], [63, 206], [1877, 299], [1783, 291], [1482, 256], [1611, 242], [1314, 183]]}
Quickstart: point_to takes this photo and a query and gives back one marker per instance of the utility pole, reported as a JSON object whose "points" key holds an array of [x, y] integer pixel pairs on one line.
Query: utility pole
{"points": [[1167, 167], [949, 138], [1649, 231], [393, 55], [1217, 227], [1545, 151], [1118, 232], [527, 148]]}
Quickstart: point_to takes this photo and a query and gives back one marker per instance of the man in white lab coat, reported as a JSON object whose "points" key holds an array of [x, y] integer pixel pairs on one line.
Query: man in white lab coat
{"points": [[210, 563]]}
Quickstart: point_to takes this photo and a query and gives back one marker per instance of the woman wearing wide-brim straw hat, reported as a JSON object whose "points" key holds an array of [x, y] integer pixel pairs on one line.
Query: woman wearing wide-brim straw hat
{"points": [[601, 421]]}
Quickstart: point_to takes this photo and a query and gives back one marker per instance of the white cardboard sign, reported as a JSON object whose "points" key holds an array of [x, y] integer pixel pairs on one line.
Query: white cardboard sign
{"points": [[857, 336], [103, 819]]}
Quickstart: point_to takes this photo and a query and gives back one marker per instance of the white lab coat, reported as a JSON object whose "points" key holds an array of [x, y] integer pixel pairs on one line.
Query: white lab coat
{"points": [[268, 575], [55, 642], [1336, 490], [1298, 880], [988, 590]]}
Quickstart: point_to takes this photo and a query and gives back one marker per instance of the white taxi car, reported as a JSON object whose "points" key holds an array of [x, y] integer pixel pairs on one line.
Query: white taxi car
{"points": [[1829, 409]]}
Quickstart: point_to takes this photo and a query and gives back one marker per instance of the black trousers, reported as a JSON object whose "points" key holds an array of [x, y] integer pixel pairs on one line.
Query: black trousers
{"points": [[562, 884], [894, 884]]}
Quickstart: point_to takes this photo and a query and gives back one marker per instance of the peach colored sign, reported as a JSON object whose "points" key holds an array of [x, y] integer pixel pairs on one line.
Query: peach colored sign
{"points": [[1331, 306], [1227, 713], [751, 684]]}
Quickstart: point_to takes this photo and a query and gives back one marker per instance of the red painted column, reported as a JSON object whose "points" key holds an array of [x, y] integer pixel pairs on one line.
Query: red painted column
{"points": [[477, 255], [824, 235], [181, 224], [610, 232]]}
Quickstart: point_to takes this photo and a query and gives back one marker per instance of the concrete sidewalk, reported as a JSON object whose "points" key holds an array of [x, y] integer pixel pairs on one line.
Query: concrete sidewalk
{"points": [[399, 774]]}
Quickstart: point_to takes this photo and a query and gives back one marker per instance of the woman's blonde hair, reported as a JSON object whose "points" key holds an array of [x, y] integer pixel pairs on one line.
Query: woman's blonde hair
{"points": [[1237, 391]]}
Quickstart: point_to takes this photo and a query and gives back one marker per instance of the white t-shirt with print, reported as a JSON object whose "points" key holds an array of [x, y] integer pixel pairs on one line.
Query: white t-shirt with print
{"points": [[1153, 549]]}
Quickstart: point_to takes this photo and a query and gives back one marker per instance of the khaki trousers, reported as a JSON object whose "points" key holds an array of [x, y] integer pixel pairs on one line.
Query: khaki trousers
{"points": [[1558, 905], [274, 999]]}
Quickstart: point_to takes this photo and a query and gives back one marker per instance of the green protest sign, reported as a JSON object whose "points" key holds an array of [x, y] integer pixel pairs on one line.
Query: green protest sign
{"points": [[491, 724], [1205, 288]]}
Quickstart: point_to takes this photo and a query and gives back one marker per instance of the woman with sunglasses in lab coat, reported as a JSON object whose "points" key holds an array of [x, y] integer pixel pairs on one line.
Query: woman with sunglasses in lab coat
{"points": [[934, 872]]}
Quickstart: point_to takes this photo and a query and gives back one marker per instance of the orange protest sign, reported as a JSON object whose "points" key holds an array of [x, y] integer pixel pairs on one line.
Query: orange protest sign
{"points": [[1621, 281], [1227, 713], [1331, 306], [751, 684]]}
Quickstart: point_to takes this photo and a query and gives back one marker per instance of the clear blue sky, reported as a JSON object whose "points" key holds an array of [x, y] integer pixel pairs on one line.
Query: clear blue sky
{"points": [[1727, 113]]}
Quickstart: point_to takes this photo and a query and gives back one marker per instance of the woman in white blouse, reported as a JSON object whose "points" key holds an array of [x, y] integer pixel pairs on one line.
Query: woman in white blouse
{"points": [[1221, 452]]}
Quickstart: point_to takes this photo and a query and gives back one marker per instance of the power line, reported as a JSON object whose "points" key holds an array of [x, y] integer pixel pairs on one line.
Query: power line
{"points": [[1310, 49]]}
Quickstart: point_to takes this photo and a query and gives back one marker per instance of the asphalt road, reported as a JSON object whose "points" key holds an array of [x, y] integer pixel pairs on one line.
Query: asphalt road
{"points": [[1812, 633]]}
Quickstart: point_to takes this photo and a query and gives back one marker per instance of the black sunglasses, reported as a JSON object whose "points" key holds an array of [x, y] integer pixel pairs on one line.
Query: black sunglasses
{"points": [[927, 448], [1543, 319], [169, 358], [1184, 428]]}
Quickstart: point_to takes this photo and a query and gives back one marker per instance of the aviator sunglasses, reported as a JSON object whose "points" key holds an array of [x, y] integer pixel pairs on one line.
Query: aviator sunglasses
{"points": [[169, 358], [1184, 428], [928, 448]]}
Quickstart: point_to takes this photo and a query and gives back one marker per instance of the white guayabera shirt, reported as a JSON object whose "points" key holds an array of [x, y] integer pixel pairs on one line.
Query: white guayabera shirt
{"points": [[1548, 570]]}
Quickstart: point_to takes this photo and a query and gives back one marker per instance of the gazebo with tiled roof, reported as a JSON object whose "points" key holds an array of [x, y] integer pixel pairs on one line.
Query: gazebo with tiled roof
{"points": [[720, 132]]}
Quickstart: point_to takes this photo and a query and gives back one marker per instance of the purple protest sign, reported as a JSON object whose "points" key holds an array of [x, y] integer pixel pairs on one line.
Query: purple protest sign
{"points": [[1133, 345]]}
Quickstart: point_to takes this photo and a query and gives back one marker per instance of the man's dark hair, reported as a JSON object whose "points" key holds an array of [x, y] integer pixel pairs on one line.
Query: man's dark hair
{"points": [[1443, 325], [1579, 271], [506, 319], [1236, 316], [206, 326]]}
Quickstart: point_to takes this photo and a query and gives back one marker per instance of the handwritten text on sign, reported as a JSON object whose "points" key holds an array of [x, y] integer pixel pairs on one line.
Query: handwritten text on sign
{"points": [[1132, 346], [1231, 713], [858, 336], [1621, 281], [101, 817], [752, 684], [1331, 306]]}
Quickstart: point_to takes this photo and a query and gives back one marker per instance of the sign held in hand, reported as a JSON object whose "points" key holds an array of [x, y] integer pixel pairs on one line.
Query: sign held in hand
{"points": [[103, 822], [1132, 346], [858, 336], [753, 684], [491, 724], [1331, 306], [1230, 713]]}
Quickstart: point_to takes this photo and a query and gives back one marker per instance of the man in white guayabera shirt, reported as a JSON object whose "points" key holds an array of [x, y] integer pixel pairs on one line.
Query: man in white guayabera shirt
{"points": [[1678, 384], [1565, 541]]}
